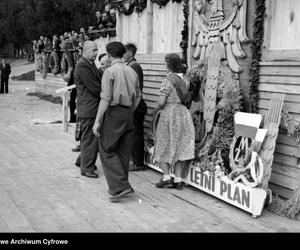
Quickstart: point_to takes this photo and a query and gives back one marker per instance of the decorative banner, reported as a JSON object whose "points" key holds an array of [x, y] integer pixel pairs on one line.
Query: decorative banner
{"points": [[129, 7], [246, 198], [249, 199], [162, 3]]}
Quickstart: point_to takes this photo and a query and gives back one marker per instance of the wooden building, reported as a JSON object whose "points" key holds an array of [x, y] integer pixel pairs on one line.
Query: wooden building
{"points": [[156, 28], [157, 31], [280, 72]]}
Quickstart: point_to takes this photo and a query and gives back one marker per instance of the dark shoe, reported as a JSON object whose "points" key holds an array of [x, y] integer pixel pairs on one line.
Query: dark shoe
{"points": [[177, 185], [162, 184], [90, 174], [121, 195], [78, 165], [137, 168], [77, 149]]}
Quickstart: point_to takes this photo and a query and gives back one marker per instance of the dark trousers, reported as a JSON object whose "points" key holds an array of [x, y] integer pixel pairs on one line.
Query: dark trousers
{"points": [[115, 147], [4, 83], [89, 146], [137, 151], [73, 95]]}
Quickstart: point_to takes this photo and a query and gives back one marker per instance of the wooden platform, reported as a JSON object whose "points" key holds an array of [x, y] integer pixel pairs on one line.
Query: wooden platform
{"points": [[274, 77], [41, 190], [44, 192]]}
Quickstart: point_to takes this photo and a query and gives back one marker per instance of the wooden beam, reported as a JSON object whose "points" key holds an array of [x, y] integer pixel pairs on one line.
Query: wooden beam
{"points": [[149, 27], [65, 112]]}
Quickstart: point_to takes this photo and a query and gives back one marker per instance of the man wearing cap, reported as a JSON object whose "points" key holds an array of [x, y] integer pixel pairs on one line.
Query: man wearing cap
{"points": [[120, 96]]}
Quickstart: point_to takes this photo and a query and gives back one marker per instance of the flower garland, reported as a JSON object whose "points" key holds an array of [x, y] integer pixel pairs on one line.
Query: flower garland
{"points": [[216, 149], [126, 11], [290, 125], [140, 5], [134, 5], [185, 31], [162, 3], [258, 34]]}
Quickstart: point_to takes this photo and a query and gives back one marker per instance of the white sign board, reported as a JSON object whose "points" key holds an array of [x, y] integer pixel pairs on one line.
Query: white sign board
{"points": [[249, 199]]}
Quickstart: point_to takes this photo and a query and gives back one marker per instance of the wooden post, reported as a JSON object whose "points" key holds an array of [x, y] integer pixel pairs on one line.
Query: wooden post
{"points": [[150, 28], [65, 104], [65, 111]]}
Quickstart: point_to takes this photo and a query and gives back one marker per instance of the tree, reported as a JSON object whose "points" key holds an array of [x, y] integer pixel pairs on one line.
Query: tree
{"points": [[22, 21]]}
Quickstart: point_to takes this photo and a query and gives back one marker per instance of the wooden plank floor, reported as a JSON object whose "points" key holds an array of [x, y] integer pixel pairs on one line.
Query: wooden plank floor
{"points": [[41, 190]]}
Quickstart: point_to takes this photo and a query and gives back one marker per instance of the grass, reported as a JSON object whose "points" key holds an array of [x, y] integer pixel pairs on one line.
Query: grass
{"points": [[29, 76], [47, 97]]}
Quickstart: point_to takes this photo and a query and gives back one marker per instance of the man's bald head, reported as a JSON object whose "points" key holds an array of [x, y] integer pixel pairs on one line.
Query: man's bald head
{"points": [[88, 45], [104, 61], [90, 50]]}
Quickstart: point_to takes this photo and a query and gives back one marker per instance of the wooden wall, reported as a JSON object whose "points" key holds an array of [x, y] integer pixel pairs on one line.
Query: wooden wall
{"points": [[285, 20], [167, 27], [156, 32], [134, 29], [280, 72], [154, 72], [283, 77]]}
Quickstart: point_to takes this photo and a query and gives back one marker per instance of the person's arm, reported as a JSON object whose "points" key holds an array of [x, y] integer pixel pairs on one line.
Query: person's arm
{"points": [[161, 101], [165, 90], [106, 97], [8, 69], [137, 102], [103, 106]]}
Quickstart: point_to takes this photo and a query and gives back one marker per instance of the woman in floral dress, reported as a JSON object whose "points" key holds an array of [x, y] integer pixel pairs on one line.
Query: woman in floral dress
{"points": [[175, 133]]}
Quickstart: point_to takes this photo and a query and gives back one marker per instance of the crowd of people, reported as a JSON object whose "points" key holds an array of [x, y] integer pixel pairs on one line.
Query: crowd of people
{"points": [[49, 54], [52, 54], [111, 111]]}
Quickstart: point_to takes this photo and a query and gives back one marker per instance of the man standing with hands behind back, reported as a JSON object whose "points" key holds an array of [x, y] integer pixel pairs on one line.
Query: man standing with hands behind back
{"points": [[120, 97], [88, 85]]}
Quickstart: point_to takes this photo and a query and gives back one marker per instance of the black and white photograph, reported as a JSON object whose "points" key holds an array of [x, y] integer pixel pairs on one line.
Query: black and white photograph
{"points": [[148, 116]]}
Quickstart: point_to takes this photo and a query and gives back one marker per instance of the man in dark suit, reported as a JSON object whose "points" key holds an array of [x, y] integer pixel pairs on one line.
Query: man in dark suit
{"points": [[88, 85], [5, 72], [137, 151]]}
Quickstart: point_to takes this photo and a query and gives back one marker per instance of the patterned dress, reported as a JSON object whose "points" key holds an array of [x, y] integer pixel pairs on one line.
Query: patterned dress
{"points": [[175, 133]]}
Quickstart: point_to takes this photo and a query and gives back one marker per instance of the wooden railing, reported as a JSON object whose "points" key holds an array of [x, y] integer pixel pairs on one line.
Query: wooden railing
{"points": [[65, 105]]}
